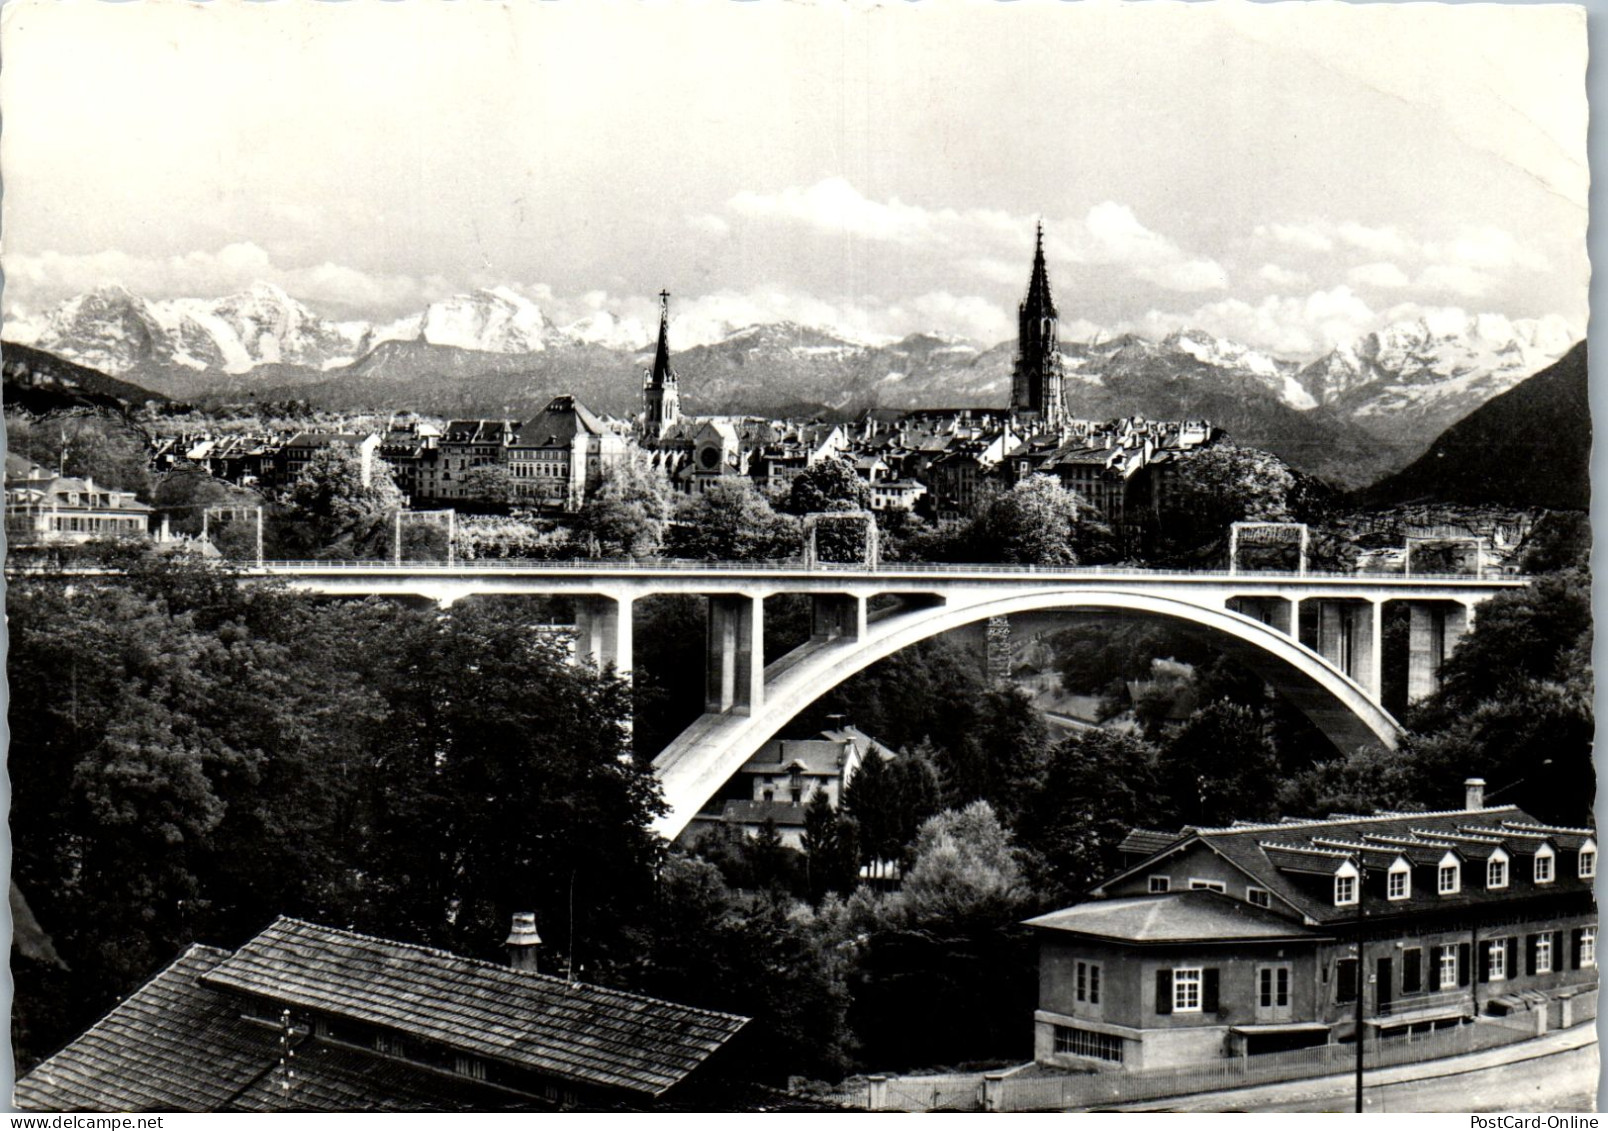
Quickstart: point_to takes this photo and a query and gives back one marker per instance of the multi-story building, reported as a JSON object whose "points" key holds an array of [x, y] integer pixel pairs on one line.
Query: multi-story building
{"points": [[780, 781], [297, 452], [43, 508], [1260, 937], [557, 458]]}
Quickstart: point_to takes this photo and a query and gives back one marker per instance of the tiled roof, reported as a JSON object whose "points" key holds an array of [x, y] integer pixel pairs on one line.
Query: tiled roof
{"points": [[587, 1034], [1295, 860], [166, 1048], [1147, 841], [1184, 916], [331, 1078], [817, 756]]}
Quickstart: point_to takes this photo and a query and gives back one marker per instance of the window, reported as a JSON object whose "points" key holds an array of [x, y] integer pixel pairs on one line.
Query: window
{"points": [[1345, 884], [1399, 880], [1496, 960], [1081, 1042], [1587, 948], [1450, 875], [1088, 982], [1186, 991], [1207, 885], [1543, 955], [1259, 896], [1543, 864], [1273, 987], [1160, 884], [1496, 870], [1448, 968], [1345, 980], [1588, 860]]}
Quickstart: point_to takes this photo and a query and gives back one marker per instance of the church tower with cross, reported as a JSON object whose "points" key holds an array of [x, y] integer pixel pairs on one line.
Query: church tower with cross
{"points": [[661, 399], [1037, 376]]}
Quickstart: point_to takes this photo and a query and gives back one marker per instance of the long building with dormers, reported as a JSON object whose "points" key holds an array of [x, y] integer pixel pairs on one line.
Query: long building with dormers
{"points": [[1255, 938]]}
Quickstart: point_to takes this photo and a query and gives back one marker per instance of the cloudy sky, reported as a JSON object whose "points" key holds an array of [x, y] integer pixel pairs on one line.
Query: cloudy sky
{"points": [[1289, 176]]}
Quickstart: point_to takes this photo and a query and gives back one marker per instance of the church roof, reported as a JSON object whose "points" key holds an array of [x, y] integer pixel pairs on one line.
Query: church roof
{"points": [[1038, 299]]}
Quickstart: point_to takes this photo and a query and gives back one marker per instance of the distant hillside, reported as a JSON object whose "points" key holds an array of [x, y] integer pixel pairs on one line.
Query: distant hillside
{"points": [[1528, 447], [42, 382]]}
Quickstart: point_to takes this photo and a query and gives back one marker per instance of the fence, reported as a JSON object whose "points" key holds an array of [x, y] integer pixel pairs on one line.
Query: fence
{"points": [[1024, 1091]]}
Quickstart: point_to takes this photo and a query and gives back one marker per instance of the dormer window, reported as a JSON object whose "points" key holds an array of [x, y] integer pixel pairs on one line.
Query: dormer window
{"points": [[1543, 864], [1449, 875], [1345, 885], [1588, 860], [1399, 880], [1496, 870]]}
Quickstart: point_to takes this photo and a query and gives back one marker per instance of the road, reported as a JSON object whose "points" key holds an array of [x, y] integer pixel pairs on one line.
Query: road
{"points": [[1563, 1082]]}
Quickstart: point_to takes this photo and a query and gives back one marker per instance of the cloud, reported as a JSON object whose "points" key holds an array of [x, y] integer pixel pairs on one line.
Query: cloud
{"points": [[1455, 278], [988, 243], [1305, 236], [1287, 326], [1488, 248], [868, 319], [1386, 241], [709, 224], [51, 277], [1281, 277], [1378, 275]]}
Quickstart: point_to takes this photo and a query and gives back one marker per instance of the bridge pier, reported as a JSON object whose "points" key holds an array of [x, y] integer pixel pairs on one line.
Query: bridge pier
{"points": [[837, 616], [1275, 612], [1433, 630], [734, 680], [1349, 633], [603, 632]]}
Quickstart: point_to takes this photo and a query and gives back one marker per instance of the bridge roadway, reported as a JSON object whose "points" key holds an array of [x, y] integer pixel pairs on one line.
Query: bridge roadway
{"points": [[1316, 637]]}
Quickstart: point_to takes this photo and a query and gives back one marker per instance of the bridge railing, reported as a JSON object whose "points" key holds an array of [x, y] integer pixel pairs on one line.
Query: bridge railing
{"points": [[783, 566]]}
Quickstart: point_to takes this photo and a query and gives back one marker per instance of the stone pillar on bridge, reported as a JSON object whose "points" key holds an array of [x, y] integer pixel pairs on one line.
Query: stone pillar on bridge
{"points": [[837, 616], [735, 660], [1433, 630], [603, 632]]}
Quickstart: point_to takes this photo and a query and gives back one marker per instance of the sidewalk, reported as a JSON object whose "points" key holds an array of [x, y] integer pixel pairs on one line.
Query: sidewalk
{"points": [[1343, 1085]]}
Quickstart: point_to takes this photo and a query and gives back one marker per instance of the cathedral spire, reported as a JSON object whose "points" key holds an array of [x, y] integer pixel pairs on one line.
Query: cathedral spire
{"points": [[662, 373], [661, 402], [1037, 379], [1039, 304]]}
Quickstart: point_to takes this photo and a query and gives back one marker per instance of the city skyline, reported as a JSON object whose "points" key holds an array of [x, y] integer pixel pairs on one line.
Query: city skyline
{"points": [[1290, 181]]}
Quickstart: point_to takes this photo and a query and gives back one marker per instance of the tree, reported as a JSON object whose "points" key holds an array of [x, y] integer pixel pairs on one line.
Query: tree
{"points": [[1515, 704], [334, 509], [1097, 784], [831, 849], [491, 484], [627, 513], [1220, 766], [829, 484], [1218, 486], [1038, 522], [965, 867], [731, 521], [110, 450]]}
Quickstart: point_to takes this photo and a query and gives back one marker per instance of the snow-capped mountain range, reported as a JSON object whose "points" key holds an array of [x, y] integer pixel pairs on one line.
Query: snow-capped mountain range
{"points": [[1365, 407]]}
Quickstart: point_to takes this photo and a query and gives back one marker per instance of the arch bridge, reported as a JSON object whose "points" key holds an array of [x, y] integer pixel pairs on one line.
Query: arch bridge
{"points": [[1316, 638]]}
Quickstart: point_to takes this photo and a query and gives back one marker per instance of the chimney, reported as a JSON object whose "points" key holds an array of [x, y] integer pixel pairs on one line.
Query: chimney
{"points": [[523, 942], [1474, 793]]}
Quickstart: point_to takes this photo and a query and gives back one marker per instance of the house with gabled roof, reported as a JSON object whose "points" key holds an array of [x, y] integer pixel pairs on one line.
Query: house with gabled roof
{"points": [[311, 1018], [1259, 937]]}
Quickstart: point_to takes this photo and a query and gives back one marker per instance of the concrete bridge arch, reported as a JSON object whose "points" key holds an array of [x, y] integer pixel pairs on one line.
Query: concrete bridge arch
{"points": [[712, 749]]}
